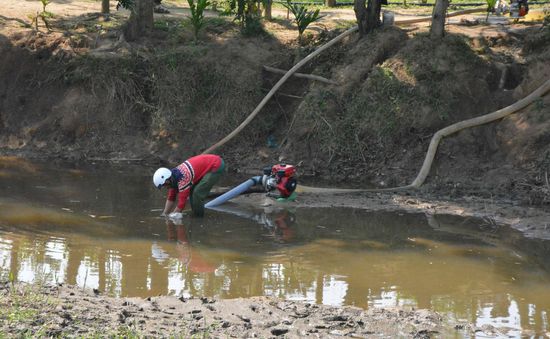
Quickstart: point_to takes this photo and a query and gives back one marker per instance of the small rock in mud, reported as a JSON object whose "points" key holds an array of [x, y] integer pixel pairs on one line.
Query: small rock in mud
{"points": [[279, 331]]}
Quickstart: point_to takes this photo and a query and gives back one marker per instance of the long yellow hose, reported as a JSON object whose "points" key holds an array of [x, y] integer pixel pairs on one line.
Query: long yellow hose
{"points": [[436, 139]]}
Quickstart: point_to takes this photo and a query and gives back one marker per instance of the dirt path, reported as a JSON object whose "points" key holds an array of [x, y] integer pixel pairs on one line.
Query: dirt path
{"points": [[12, 10], [22, 9]]}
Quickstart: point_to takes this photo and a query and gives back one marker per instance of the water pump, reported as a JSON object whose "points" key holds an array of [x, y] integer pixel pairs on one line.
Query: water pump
{"points": [[280, 177]]}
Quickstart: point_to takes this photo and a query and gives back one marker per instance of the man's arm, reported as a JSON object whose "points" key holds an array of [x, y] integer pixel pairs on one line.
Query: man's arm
{"points": [[170, 202], [168, 207]]}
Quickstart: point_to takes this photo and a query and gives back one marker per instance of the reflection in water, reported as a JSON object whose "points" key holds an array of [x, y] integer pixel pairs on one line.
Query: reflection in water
{"points": [[469, 269]]}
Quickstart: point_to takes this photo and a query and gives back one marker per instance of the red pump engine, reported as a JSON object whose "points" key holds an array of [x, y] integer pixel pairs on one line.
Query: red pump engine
{"points": [[280, 177]]}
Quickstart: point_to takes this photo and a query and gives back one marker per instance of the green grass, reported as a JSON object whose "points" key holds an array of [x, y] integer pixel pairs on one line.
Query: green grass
{"points": [[25, 311], [22, 305], [219, 24]]}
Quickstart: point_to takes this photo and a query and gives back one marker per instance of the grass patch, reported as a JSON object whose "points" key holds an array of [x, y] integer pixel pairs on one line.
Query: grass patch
{"points": [[34, 311], [22, 307], [219, 25]]}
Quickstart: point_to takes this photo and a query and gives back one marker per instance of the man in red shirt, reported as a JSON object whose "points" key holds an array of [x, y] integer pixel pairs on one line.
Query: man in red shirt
{"points": [[193, 179]]}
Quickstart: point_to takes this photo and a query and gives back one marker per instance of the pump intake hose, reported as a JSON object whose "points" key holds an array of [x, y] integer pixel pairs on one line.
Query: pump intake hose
{"points": [[245, 186]]}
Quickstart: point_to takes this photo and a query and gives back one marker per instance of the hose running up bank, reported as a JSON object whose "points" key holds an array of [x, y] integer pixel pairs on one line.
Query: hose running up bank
{"points": [[430, 155], [276, 87], [436, 139]]}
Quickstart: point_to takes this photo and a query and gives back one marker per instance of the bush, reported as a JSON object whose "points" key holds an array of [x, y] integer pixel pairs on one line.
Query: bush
{"points": [[302, 16]]}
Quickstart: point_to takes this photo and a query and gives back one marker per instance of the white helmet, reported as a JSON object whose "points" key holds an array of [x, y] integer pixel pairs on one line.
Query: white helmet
{"points": [[160, 176]]}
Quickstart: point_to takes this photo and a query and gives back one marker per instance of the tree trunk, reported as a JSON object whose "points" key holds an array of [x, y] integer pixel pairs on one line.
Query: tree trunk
{"points": [[268, 6], [330, 3], [367, 18], [437, 30], [105, 7], [361, 15], [373, 15], [140, 22]]}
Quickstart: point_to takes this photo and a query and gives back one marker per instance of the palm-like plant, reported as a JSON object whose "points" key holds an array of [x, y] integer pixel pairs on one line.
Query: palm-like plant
{"points": [[246, 13], [197, 15], [302, 16]]}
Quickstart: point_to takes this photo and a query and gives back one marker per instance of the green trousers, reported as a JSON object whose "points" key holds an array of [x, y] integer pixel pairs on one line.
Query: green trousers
{"points": [[200, 191]]}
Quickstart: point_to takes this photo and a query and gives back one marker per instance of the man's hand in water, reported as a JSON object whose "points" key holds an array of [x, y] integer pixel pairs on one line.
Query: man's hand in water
{"points": [[175, 215]]}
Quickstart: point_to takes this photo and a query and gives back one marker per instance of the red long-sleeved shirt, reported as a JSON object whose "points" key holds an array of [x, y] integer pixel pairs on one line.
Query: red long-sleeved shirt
{"points": [[189, 173]]}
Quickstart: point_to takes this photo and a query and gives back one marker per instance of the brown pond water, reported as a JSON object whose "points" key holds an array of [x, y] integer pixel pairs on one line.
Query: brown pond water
{"points": [[98, 227]]}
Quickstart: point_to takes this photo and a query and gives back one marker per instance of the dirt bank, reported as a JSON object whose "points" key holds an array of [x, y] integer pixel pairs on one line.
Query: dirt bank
{"points": [[80, 92]]}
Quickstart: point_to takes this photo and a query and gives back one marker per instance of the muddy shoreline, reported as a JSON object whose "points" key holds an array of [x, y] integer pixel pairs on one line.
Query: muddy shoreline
{"points": [[69, 311], [531, 221]]}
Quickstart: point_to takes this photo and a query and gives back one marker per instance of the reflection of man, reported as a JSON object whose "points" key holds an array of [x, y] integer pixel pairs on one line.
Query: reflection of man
{"points": [[188, 256], [282, 223]]}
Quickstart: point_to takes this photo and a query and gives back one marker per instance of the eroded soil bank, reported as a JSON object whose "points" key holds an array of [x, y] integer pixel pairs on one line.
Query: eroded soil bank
{"points": [[82, 93]]}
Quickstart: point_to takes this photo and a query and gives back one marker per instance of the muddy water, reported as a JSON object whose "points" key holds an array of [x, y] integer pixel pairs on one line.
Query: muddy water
{"points": [[98, 227]]}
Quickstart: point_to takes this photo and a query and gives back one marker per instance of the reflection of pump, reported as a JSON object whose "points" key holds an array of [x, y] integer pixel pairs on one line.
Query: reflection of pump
{"points": [[278, 222], [280, 177]]}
